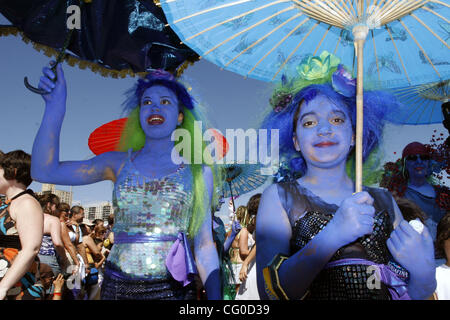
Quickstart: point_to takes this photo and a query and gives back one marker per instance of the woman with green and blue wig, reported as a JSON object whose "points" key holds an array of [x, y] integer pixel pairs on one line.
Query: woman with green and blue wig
{"points": [[162, 197], [319, 239]]}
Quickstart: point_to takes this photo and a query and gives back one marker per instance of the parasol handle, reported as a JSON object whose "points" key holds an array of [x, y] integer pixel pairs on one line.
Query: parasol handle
{"points": [[232, 200], [37, 90], [360, 33], [59, 59]]}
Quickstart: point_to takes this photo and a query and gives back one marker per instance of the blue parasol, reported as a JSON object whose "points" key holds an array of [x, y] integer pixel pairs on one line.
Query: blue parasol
{"points": [[421, 104], [388, 43]]}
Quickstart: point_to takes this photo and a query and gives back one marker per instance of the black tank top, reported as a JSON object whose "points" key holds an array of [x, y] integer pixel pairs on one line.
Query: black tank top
{"points": [[309, 214]]}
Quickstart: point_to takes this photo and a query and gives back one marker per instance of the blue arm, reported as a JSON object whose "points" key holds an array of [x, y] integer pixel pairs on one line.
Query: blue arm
{"points": [[206, 256]]}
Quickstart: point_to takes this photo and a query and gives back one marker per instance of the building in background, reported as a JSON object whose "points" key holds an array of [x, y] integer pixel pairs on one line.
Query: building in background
{"points": [[100, 210], [64, 196]]}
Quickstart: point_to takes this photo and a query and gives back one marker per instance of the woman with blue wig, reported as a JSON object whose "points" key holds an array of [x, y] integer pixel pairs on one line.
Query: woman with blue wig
{"points": [[162, 198], [319, 240]]}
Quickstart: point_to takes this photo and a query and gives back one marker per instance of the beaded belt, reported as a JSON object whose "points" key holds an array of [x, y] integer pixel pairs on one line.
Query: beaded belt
{"points": [[396, 286]]}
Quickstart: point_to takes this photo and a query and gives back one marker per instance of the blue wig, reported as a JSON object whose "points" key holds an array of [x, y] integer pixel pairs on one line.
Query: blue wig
{"points": [[154, 78], [376, 105]]}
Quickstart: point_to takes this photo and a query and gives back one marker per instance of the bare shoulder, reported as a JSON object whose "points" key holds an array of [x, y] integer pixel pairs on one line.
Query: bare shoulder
{"points": [[25, 205]]}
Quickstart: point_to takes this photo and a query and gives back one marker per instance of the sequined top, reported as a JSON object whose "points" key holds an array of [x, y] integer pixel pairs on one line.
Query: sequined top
{"points": [[156, 208], [309, 214]]}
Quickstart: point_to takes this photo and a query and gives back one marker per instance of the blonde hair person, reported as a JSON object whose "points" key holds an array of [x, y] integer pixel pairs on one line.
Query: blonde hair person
{"points": [[235, 257]]}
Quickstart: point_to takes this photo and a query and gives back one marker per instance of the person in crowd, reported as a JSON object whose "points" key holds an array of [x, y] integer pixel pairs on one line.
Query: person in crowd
{"points": [[410, 211], [443, 248], [242, 218], [71, 251], [52, 251], [223, 244], [93, 243], [98, 221], [53, 285], [315, 235], [76, 217], [248, 290], [151, 225], [21, 230], [109, 236], [49, 203], [416, 170]]}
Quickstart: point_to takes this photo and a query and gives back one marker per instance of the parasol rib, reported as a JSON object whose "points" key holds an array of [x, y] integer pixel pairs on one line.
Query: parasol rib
{"points": [[278, 44], [398, 54], [418, 106], [296, 48], [211, 9], [427, 105], [441, 3], [420, 47], [321, 40], [339, 41], [436, 14], [432, 32], [234, 18], [247, 29], [265, 36], [376, 57]]}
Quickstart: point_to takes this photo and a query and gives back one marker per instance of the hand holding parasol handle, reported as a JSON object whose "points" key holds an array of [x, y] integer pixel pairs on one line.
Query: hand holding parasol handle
{"points": [[59, 59]]}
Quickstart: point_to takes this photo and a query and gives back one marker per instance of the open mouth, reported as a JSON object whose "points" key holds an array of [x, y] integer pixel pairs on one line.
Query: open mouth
{"points": [[325, 144], [155, 119], [419, 168]]}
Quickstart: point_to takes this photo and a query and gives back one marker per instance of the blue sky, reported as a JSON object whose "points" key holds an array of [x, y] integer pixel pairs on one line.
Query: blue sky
{"points": [[230, 100]]}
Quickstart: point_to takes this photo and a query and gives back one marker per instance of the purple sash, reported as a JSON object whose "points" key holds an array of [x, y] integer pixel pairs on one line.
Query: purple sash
{"points": [[396, 286], [180, 261]]}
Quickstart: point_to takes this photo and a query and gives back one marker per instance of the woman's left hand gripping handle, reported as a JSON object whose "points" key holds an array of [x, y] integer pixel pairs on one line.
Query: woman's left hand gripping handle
{"points": [[53, 84]]}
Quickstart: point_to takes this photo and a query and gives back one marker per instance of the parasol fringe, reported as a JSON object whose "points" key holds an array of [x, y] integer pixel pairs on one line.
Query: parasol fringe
{"points": [[70, 59]]}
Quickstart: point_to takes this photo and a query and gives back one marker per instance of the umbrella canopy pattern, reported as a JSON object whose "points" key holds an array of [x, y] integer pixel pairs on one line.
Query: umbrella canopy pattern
{"points": [[242, 178], [266, 38], [421, 104], [116, 37]]}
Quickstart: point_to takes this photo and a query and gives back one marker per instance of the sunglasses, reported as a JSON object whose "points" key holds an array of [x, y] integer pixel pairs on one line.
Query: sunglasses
{"points": [[415, 157]]}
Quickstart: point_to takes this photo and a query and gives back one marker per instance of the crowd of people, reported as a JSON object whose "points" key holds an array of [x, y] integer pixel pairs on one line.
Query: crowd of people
{"points": [[317, 238], [67, 262]]}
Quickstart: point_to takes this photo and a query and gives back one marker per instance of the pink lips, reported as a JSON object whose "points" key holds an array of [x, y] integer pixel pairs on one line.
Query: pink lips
{"points": [[325, 144], [155, 119]]}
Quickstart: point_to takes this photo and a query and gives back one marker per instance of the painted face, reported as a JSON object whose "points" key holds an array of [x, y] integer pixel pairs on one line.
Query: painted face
{"points": [[159, 113], [418, 165], [324, 133]]}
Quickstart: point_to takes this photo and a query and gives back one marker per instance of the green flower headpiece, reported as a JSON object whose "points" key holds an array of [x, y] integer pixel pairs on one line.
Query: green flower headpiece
{"points": [[312, 70]]}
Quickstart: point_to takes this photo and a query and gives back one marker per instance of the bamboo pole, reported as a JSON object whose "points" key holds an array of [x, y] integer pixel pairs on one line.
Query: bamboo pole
{"points": [[360, 34]]}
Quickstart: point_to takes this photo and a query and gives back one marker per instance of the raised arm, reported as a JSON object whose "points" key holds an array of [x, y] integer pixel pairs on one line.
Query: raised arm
{"points": [[353, 219], [206, 256], [45, 165]]}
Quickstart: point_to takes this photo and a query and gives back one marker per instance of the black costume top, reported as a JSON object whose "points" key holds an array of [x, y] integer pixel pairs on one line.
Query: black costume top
{"points": [[309, 214]]}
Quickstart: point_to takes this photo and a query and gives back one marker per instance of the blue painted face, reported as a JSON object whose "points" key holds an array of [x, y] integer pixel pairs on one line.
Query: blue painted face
{"points": [[418, 166], [324, 133], [159, 112]]}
